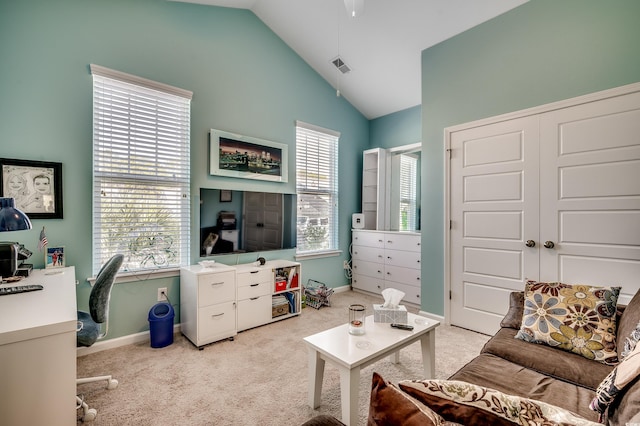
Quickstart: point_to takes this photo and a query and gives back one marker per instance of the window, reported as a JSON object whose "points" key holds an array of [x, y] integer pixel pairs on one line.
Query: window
{"points": [[317, 188], [141, 171], [408, 202]]}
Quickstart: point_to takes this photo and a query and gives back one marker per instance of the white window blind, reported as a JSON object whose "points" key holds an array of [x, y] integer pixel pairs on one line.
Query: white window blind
{"points": [[317, 188], [141, 171], [408, 196]]}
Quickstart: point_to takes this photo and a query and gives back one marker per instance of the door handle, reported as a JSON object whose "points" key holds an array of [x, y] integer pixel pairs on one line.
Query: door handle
{"points": [[549, 244], [530, 243]]}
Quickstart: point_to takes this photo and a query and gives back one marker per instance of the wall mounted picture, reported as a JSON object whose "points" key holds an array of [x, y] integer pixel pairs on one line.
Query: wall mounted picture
{"points": [[35, 185], [54, 257], [247, 157]]}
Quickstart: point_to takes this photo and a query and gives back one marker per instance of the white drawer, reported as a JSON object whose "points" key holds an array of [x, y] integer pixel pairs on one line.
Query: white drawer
{"points": [[254, 276], [216, 322], [402, 275], [370, 269], [369, 239], [363, 282], [369, 254], [406, 259], [412, 294], [254, 290], [400, 241], [216, 288], [254, 312]]}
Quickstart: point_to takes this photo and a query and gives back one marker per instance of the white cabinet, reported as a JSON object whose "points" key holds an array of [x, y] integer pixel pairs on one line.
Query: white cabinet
{"points": [[267, 293], [207, 303], [384, 259], [218, 302]]}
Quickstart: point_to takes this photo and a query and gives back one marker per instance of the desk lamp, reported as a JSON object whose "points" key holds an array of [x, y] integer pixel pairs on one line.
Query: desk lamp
{"points": [[12, 219]]}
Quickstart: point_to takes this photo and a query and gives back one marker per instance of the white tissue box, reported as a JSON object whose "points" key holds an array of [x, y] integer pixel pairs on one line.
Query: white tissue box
{"points": [[398, 316]]}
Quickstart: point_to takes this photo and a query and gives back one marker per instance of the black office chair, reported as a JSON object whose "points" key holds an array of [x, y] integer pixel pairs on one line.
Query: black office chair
{"points": [[89, 328]]}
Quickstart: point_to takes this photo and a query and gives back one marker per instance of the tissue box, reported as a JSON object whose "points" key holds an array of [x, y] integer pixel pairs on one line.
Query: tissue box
{"points": [[398, 316]]}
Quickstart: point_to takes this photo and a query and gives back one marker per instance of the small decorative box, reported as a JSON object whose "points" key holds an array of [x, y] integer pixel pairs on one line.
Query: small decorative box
{"points": [[398, 316], [281, 285]]}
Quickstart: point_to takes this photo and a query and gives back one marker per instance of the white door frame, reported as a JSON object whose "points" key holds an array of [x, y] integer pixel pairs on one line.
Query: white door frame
{"points": [[448, 131]]}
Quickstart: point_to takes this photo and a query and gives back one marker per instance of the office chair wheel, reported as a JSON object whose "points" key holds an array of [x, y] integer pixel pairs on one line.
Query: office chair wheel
{"points": [[90, 415], [112, 384]]}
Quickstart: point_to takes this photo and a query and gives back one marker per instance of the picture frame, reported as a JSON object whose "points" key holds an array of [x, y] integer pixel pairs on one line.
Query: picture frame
{"points": [[35, 185], [247, 157], [225, 196], [54, 257]]}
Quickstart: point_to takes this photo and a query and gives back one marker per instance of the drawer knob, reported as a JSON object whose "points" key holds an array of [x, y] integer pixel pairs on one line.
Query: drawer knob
{"points": [[220, 283], [254, 285], [217, 315]]}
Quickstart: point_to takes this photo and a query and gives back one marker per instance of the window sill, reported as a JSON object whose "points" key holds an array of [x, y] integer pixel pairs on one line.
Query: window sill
{"points": [[127, 277], [318, 254]]}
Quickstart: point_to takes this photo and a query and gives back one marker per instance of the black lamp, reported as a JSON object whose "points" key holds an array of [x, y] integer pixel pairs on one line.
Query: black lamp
{"points": [[11, 218]]}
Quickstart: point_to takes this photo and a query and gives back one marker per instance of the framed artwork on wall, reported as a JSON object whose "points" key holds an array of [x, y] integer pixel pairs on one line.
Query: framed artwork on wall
{"points": [[247, 157], [35, 185], [225, 196]]}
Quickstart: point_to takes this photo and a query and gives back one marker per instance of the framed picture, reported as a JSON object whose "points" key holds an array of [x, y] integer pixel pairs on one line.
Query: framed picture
{"points": [[225, 196], [54, 257], [247, 157], [35, 185]]}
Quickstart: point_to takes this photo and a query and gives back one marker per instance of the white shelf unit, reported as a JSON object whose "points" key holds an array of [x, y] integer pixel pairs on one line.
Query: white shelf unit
{"points": [[257, 289], [373, 188], [387, 259], [208, 303]]}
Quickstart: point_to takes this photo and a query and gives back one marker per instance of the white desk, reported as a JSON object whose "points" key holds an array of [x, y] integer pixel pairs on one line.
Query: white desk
{"points": [[38, 351], [351, 353]]}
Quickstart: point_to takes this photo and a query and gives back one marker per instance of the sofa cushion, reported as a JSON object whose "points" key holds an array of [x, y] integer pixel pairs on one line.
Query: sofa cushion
{"points": [[547, 360], [472, 404], [576, 318], [389, 406], [494, 372], [629, 321]]}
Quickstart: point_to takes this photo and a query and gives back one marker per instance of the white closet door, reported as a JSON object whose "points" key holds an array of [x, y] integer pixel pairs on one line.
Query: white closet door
{"points": [[494, 200], [590, 193]]}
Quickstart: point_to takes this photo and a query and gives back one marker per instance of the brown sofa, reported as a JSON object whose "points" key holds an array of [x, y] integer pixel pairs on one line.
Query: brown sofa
{"points": [[527, 372], [516, 368]]}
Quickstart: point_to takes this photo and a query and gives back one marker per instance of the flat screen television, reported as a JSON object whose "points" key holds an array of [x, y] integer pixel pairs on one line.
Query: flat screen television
{"points": [[233, 221]]}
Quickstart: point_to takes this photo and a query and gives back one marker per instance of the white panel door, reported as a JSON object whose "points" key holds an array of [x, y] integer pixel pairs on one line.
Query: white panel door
{"points": [[494, 211], [590, 194]]}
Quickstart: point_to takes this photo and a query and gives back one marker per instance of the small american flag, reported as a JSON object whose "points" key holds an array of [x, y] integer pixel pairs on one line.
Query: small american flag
{"points": [[43, 240]]}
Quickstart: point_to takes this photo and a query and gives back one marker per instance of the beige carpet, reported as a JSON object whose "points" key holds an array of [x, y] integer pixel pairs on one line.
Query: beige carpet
{"points": [[260, 378]]}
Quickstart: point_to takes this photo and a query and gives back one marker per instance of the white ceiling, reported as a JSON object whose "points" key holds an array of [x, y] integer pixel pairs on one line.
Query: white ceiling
{"points": [[382, 46]]}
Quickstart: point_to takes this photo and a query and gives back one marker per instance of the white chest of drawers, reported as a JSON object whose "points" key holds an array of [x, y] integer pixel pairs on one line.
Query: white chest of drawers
{"points": [[385, 259], [208, 303]]}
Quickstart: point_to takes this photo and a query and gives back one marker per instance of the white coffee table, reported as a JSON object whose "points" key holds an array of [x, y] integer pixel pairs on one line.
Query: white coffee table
{"points": [[351, 353]]}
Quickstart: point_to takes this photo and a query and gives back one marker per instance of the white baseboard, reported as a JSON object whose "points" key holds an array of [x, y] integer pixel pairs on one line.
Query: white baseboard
{"points": [[342, 289], [432, 316], [119, 341]]}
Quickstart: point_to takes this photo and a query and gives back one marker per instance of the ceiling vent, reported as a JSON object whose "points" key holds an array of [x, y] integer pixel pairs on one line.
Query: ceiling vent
{"points": [[339, 63]]}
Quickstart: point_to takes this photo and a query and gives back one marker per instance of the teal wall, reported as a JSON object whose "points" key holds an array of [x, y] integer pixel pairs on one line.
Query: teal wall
{"points": [[537, 53], [244, 80], [399, 128]]}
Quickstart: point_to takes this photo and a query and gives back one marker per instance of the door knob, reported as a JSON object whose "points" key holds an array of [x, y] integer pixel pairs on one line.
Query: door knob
{"points": [[530, 243], [549, 244]]}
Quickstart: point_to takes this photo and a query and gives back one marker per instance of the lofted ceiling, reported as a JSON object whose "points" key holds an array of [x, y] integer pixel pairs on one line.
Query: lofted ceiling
{"points": [[382, 45]]}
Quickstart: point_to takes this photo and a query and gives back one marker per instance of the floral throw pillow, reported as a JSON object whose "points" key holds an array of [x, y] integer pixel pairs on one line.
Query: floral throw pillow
{"points": [[576, 318]]}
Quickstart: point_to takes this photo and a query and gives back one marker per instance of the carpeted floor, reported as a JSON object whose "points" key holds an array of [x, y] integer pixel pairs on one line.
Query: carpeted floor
{"points": [[259, 378]]}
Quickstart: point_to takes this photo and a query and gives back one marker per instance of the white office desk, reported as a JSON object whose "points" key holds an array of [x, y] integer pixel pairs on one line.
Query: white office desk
{"points": [[38, 351]]}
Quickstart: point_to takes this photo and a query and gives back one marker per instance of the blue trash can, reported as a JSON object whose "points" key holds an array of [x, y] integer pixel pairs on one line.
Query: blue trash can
{"points": [[161, 324]]}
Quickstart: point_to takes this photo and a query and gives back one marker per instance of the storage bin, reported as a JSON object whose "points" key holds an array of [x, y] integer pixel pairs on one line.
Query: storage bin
{"points": [[161, 324]]}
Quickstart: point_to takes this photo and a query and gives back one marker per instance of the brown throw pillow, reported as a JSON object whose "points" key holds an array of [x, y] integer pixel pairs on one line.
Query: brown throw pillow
{"points": [[389, 407]]}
